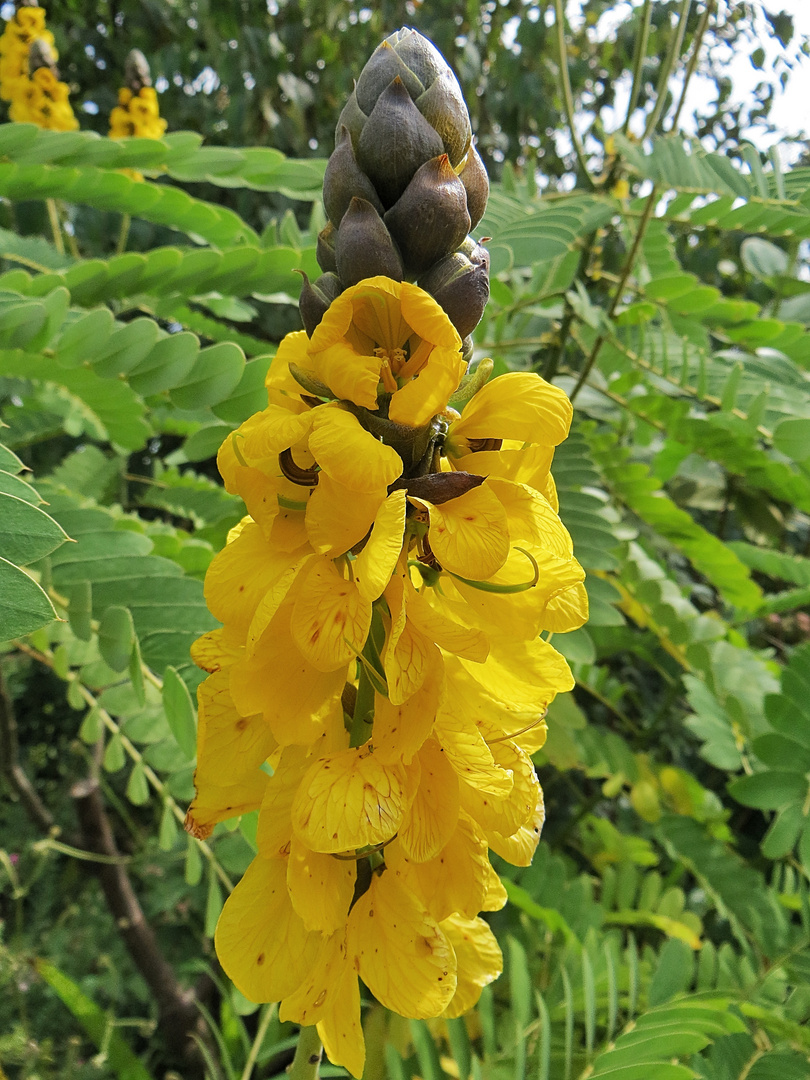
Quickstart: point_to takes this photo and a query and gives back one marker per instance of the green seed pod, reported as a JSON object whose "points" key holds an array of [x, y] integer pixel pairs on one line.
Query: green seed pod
{"points": [[395, 140], [364, 247], [431, 216], [344, 179]]}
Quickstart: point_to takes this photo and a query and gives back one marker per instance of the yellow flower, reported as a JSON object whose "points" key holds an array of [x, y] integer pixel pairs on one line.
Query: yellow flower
{"points": [[137, 115], [43, 100], [384, 340]]}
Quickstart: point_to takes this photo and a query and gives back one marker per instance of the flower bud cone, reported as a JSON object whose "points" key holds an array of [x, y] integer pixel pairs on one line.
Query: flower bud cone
{"points": [[382, 68], [442, 105], [344, 179], [364, 247], [395, 140], [315, 299], [325, 249], [351, 117], [460, 284], [431, 217]]}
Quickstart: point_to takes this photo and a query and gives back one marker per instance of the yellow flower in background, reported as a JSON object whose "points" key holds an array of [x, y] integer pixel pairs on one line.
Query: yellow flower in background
{"points": [[29, 78], [137, 114], [43, 100], [25, 26]]}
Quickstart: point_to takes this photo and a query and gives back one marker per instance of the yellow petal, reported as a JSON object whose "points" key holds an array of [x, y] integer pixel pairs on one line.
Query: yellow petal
{"points": [[375, 564], [419, 400], [523, 676], [408, 655], [531, 517], [338, 518], [566, 611], [519, 848], [404, 958], [400, 730], [320, 886], [479, 961], [279, 430], [433, 815], [427, 317], [330, 619], [279, 382], [260, 941], [518, 405], [272, 600], [212, 652], [505, 815], [295, 698], [454, 880], [349, 800], [349, 374], [274, 831], [467, 750], [448, 634], [496, 896], [241, 574], [469, 535], [349, 454], [330, 998]]}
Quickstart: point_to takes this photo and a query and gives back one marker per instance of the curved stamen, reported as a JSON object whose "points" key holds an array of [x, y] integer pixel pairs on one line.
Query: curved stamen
{"points": [[477, 445], [493, 587], [293, 472]]}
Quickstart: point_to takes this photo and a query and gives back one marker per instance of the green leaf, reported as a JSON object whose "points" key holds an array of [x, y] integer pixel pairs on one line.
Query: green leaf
{"points": [[769, 790], [792, 437], [180, 712], [24, 606], [762, 258], [168, 831], [26, 532], [213, 903], [166, 365], [216, 373], [137, 785], [116, 637], [92, 727], [120, 1059], [114, 756]]}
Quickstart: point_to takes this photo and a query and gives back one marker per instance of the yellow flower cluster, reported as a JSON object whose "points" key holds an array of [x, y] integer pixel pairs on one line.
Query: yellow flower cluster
{"points": [[137, 115], [379, 683], [39, 98]]}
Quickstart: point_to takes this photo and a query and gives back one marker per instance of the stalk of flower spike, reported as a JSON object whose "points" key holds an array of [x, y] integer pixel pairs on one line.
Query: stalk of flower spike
{"points": [[137, 112], [379, 682]]}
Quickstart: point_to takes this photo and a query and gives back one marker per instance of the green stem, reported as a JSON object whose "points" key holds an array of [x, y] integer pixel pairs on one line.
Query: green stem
{"points": [[693, 59], [123, 235], [56, 228], [308, 1053], [363, 709], [568, 97], [638, 63], [268, 1016], [628, 269], [672, 56]]}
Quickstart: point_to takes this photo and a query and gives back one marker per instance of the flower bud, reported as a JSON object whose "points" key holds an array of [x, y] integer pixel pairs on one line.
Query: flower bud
{"points": [[316, 298], [460, 284], [442, 105], [344, 179], [431, 217], [364, 247], [476, 183], [383, 66], [325, 249], [395, 140]]}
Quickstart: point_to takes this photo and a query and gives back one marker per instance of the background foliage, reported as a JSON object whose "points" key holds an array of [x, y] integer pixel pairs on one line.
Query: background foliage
{"points": [[663, 930]]}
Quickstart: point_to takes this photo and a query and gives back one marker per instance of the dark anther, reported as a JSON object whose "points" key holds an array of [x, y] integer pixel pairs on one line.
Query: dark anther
{"points": [[293, 472], [477, 445], [425, 553]]}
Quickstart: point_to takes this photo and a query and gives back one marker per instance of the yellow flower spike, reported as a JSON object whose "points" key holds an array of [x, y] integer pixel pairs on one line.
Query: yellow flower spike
{"points": [[374, 565], [469, 535], [519, 848], [400, 730], [479, 961], [320, 887], [504, 816], [261, 943], [518, 405], [433, 814], [330, 998], [350, 800], [349, 454], [468, 752], [230, 751], [457, 879], [404, 958], [330, 620]]}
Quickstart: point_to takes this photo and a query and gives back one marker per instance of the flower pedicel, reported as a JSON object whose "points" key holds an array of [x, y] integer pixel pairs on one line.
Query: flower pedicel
{"points": [[379, 684]]}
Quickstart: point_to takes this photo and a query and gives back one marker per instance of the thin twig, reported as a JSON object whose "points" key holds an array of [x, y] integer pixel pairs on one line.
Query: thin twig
{"points": [[693, 59], [672, 56], [13, 771], [123, 235], [638, 63], [56, 228], [267, 1018], [568, 98], [628, 269], [307, 1060]]}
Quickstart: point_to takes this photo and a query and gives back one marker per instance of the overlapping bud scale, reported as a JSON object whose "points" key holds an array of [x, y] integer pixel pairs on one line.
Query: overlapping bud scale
{"points": [[379, 682]]}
